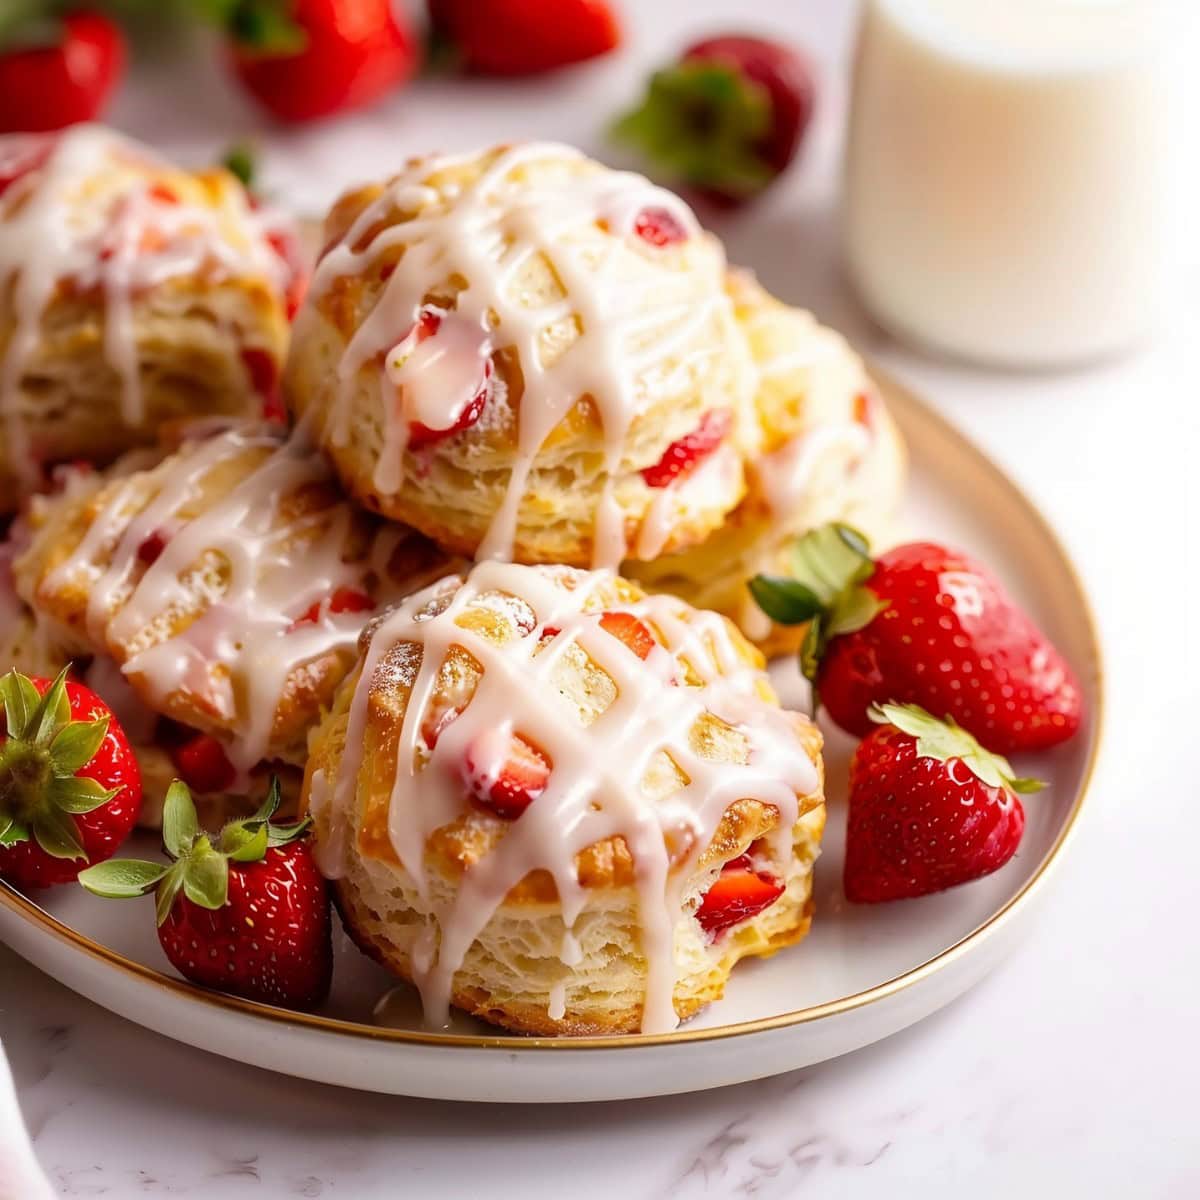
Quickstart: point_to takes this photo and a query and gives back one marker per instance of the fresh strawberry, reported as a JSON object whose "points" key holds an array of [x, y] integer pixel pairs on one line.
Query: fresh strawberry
{"points": [[728, 118], [923, 625], [202, 763], [737, 894], [343, 600], [506, 785], [929, 808], [56, 72], [70, 788], [523, 37], [306, 59], [681, 457], [245, 912]]}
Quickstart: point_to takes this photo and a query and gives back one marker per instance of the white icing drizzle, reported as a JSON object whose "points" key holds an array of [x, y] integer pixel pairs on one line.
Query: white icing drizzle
{"points": [[88, 212], [594, 790], [485, 233], [238, 653]]}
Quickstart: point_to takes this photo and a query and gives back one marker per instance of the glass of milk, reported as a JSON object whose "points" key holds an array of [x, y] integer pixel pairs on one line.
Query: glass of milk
{"points": [[1006, 175]]}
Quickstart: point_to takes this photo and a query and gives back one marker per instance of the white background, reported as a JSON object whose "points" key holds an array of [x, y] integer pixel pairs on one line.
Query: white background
{"points": [[1072, 1070]]}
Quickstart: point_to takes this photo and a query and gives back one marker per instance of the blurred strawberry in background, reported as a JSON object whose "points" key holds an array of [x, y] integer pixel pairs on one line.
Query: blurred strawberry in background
{"points": [[524, 37], [305, 59], [55, 69], [728, 118]]}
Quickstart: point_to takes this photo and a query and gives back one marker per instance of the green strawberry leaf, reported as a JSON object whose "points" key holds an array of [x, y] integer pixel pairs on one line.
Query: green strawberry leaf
{"points": [[12, 831], [943, 740], [180, 825], [282, 835], [241, 160], [75, 745], [20, 699], [787, 601], [57, 834], [206, 876], [52, 713], [76, 795], [270, 805], [703, 122], [245, 841], [831, 559], [122, 879], [168, 890], [810, 654], [853, 610]]}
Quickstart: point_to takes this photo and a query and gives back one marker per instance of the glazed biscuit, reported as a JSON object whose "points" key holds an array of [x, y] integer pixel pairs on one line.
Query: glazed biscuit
{"points": [[132, 293], [528, 356], [829, 451], [229, 582], [562, 805]]}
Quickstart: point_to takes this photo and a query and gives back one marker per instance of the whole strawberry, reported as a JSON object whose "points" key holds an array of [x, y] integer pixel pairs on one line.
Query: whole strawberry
{"points": [[525, 37], [929, 808], [925, 625], [727, 118], [306, 59], [70, 788], [245, 912], [56, 70]]}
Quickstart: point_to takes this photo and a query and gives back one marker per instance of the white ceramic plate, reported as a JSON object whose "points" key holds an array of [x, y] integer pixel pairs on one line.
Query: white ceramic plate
{"points": [[862, 974]]}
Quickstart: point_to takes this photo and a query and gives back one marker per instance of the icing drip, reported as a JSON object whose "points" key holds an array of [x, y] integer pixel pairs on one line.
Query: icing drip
{"points": [[486, 233], [91, 210], [258, 625], [594, 789]]}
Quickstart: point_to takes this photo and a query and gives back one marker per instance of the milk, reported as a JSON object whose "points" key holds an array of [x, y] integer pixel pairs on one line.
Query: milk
{"points": [[1006, 174]]}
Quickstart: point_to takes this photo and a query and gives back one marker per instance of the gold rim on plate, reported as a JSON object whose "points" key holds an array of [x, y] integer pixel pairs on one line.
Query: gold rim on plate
{"points": [[907, 401]]}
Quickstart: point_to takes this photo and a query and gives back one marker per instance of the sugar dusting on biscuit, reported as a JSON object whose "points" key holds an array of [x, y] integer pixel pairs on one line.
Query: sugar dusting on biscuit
{"points": [[694, 674]]}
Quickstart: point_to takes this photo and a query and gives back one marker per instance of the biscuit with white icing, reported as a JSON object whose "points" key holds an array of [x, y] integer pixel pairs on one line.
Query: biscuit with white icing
{"points": [[830, 451], [229, 581], [132, 293], [527, 356], [536, 783]]}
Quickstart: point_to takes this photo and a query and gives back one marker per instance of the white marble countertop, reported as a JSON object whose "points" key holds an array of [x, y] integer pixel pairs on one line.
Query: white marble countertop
{"points": [[1070, 1071]]}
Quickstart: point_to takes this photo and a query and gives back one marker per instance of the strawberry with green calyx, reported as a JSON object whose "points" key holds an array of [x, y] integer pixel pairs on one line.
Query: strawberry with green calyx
{"points": [[70, 787], [245, 911], [726, 119], [307, 59], [929, 808], [56, 68], [922, 624]]}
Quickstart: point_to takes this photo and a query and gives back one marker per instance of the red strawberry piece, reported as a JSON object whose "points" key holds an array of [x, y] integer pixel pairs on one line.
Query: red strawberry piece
{"points": [[245, 912], [682, 456], [343, 600], [70, 788], [428, 323], [509, 787], [727, 118], [628, 629], [923, 625], [163, 194], [203, 764], [312, 58], [65, 77], [737, 894], [929, 808], [151, 547], [523, 37], [263, 372], [659, 227], [288, 252]]}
